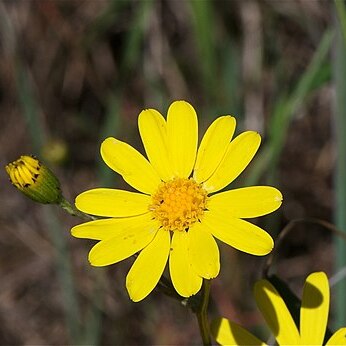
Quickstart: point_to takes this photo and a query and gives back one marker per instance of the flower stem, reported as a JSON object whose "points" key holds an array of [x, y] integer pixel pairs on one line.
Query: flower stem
{"points": [[72, 210], [202, 313]]}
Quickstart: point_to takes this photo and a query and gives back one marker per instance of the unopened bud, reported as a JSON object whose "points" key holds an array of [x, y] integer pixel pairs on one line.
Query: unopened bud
{"points": [[34, 179]]}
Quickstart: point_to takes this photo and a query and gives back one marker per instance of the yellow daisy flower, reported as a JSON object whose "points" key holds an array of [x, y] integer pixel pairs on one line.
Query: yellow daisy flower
{"points": [[177, 214], [313, 317]]}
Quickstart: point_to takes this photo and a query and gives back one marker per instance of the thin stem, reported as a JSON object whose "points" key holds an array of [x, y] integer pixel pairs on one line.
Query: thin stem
{"points": [[72, 210], [202, 313], [340, 167], [65, 275]]}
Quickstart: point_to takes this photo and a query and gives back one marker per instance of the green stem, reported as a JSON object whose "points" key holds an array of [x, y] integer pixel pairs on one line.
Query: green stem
{"points": [[72, 210], [65, 276], [202, 313], [340, 169]]}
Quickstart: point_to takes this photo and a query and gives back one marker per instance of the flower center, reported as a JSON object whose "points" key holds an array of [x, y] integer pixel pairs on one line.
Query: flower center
{"points": [[178, 204]]}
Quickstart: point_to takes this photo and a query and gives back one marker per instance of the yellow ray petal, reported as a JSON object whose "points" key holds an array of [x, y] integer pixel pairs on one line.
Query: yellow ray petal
{"points": [[246, 202], [130, 164], [338, 338], [112, 202], [182, 132], [238, 155], [203, 252], [213, 147], [226, 332], [276, 314], [108, 228], [153, 130], [123, 245], [148, 267], [314, 309], [238, 233], [185, 280]]}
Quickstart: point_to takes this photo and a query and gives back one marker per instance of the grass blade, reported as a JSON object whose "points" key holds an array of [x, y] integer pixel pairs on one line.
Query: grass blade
{"points": [[30, 111], [340, 173], [316, 74]]}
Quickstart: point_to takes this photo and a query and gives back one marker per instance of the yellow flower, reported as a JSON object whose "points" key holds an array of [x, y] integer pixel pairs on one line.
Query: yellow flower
{"points": [[177, 214], [313, 317], [34, 179]]}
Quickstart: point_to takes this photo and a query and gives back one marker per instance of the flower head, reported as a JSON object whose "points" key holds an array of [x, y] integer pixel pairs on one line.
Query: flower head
{"points": [[178, 213], [313, 317], [34, 179]]}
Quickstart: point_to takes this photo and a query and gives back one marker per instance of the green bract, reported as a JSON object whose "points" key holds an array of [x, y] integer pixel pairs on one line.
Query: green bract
{"points": [[35, 180]]}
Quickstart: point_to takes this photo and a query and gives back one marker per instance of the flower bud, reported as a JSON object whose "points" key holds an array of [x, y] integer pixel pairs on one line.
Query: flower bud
{"points": [[34, 179]]}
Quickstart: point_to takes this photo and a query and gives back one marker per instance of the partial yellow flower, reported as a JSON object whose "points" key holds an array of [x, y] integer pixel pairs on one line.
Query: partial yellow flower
{"points": [[177, 215], [313, 317]]}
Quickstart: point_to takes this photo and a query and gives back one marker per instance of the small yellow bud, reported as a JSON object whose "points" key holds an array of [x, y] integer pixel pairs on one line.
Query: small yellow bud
{"points": [[34, 179]]}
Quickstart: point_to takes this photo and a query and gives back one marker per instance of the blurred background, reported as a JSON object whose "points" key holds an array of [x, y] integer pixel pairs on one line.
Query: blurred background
{"points": [[74, 72]]}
